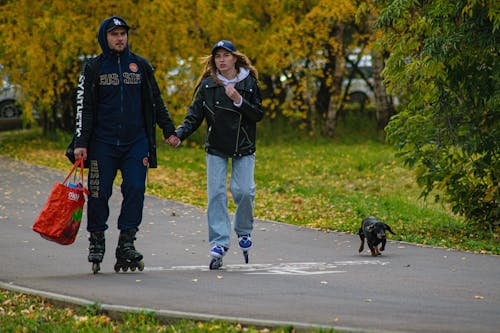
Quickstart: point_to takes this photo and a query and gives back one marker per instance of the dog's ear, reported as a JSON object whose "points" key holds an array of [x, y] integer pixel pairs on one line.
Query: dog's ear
{"points": [[386, 227]]}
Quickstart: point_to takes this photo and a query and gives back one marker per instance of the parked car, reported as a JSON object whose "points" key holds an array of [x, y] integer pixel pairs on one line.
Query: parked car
{"points": [[359, 90], [361, 86], [10, 109]]}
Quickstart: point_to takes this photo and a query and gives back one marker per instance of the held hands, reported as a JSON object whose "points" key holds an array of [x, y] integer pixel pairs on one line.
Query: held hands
{"points": [[173, 141], [232, 93]]}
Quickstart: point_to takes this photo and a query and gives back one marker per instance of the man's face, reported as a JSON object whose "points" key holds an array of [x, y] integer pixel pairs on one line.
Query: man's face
{"points": [[117, 39]]}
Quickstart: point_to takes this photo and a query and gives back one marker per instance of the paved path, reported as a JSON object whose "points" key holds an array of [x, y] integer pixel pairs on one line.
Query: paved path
{"points": [[299, 276]]}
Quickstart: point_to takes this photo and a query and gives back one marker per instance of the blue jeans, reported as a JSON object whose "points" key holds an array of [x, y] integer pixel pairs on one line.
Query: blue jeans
{"points": [[242, 187]]}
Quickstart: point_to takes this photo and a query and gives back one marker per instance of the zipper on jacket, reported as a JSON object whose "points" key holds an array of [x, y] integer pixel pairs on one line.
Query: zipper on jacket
{"points": [[239, 128], [121, 91], [246, 134], [208, 108]]}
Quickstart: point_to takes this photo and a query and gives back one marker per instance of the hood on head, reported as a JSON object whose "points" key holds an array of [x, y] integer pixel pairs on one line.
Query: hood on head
{"points": [[103, 30]]}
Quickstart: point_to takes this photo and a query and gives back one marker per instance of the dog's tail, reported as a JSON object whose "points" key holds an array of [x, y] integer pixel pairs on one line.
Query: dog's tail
{"points": [[388, 229]]}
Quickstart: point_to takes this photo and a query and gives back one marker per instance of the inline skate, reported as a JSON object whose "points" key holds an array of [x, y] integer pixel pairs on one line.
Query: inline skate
{"points": [[245, 243], [127, 257], [217, 252], [96, 250]]}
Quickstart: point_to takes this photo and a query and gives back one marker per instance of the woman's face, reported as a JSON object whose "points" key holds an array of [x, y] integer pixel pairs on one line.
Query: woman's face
{"points": [[224, 60]]}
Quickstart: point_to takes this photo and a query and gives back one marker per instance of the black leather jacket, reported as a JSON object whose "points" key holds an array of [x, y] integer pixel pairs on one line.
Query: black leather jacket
{"points": [[231, 130]]}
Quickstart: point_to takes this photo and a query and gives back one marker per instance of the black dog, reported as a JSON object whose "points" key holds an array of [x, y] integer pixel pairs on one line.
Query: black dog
{"points": [[374, 232]]}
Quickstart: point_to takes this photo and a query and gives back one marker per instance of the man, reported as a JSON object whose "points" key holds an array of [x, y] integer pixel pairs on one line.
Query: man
{"points": [[118, 107]]}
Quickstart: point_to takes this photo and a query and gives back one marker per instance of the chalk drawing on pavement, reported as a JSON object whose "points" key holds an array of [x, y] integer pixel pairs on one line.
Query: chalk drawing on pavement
{"points": [[298, 268]]}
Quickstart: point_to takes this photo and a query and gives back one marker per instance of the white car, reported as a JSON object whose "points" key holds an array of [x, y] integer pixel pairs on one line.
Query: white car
{"points": [[359, 90], [361, 86]]}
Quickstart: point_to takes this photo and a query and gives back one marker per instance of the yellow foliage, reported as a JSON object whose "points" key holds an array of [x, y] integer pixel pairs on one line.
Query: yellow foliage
{"points": [[43, 42]]}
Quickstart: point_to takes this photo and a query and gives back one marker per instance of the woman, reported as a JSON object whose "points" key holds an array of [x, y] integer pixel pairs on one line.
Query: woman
{"points": [[228, 97]]}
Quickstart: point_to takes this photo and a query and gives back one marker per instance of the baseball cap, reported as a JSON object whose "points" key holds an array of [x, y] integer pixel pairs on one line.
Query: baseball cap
{"points": [[116, 22], [224, 44]]}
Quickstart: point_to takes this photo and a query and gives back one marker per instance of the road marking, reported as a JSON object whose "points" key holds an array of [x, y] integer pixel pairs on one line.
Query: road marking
{"points": [[298, 268]]}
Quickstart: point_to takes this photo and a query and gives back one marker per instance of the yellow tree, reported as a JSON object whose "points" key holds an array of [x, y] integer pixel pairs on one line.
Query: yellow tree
{"points": [[42, 46], [44, 43], [301, 46], [298, 46]]}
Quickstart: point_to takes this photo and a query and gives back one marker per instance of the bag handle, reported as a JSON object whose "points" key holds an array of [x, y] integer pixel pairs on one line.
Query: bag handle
{"points": [[78, 163]]}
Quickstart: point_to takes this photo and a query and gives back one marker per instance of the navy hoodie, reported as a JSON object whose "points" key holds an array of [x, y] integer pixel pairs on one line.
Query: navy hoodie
{"points": [[120, 120]]}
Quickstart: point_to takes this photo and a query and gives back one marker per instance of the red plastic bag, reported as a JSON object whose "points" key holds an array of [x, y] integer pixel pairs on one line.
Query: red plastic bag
{"points": [[61, 216]]}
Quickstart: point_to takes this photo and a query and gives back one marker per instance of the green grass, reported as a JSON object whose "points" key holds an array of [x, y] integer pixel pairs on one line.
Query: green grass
{"points": [[23, 313]]}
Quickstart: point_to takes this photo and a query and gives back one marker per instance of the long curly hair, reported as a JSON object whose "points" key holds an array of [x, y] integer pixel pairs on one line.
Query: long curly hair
{"points": [[209, 68]]}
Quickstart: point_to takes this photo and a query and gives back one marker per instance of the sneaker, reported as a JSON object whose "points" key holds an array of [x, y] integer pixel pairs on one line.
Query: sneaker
{"points": [[218, 251], [245, 242]]}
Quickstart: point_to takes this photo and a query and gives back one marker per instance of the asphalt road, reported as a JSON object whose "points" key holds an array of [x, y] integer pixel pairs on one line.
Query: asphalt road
{"points": [[298, 276]]}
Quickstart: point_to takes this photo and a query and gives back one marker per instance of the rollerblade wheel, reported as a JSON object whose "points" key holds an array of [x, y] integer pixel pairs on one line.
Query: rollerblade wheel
{"points": [[117, 267], [245, 255], [96, 267], [215, 263], [140, 266]]}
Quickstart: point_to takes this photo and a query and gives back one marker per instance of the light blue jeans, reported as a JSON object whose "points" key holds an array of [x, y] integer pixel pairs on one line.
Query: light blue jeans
{"points": [[242, 187]]}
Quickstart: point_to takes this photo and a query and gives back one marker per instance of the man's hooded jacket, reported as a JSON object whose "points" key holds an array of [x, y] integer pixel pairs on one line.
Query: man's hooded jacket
{"points": [[118, 99]]}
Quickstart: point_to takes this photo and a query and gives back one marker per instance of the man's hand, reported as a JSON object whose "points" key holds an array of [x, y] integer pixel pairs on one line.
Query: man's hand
{"points": [[80, 152], [173, 141]]}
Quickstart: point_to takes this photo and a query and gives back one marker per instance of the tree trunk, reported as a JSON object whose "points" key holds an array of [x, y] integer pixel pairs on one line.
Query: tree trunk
{"points": [[383, 102], [335, 102]]}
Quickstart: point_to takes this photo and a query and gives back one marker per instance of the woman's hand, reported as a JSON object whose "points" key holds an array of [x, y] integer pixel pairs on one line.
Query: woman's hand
{"points": [[232, 93]]}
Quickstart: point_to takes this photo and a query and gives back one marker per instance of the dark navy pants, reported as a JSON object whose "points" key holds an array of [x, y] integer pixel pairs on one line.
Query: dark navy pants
{"points": [[105, 161]]}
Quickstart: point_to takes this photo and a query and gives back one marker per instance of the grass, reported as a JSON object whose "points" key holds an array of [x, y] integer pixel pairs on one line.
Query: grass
{"points": [[24, 313], [316, 182]]}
